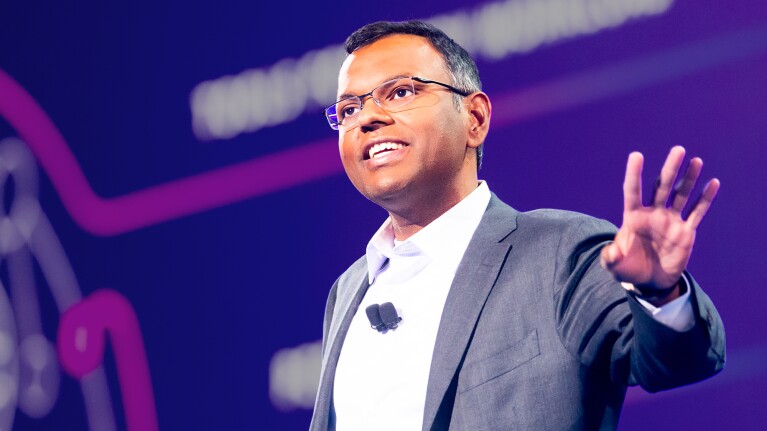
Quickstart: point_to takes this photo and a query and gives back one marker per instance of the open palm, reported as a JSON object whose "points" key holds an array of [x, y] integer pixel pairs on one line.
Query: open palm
{"points": [[654, 242]]}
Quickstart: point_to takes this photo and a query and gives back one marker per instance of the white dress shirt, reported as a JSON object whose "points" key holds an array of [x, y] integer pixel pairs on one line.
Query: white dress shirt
{"points": [[381, 378]]}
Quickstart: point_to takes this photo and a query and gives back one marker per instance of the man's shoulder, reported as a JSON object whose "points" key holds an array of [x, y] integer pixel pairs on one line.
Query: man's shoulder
{"points": [[560, 218], [558, 222], [564, 227]]}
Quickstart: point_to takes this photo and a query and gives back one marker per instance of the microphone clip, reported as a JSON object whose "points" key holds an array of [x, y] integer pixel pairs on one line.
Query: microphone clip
{"points": [[383, 317]]}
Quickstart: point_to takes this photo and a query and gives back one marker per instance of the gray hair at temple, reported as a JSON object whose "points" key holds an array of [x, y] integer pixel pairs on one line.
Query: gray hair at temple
{"points": [[463, 71]]}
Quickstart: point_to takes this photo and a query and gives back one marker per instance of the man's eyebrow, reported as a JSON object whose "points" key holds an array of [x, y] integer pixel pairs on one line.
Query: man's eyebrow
{"points": [[392, 77]]}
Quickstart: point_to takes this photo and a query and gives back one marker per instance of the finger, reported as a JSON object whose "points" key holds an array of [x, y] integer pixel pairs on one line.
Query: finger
{"points": [[632, 184], [684, 188], [655, 190], [703, 204], [668, 175]]}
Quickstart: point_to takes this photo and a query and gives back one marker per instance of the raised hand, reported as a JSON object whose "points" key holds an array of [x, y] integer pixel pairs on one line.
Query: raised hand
{"points": [[654, 243]]}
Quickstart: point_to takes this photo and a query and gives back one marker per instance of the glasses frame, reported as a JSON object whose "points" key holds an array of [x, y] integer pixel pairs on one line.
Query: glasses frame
{"points": [[336, 125]]}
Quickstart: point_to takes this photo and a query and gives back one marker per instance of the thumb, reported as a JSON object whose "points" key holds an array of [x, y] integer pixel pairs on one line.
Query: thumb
{"points": [[610, 256]]}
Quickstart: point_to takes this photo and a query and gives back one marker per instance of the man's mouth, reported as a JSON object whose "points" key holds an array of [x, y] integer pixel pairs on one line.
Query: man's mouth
{"points": [[382, 148]]}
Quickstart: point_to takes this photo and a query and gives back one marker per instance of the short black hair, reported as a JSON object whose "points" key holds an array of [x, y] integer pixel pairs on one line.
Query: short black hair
{"points": [[461, 67]]}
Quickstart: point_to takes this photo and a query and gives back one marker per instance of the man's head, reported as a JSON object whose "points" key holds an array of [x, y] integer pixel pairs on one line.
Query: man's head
{"points": [[463, 71], [434, 141]]}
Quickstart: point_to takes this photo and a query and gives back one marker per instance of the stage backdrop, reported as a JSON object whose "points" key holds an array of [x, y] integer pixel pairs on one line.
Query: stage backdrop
{"points": [[174, 210]]}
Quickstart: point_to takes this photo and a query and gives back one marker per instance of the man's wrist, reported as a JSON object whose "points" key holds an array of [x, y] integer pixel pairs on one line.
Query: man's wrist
{"points": [[658, 296]]}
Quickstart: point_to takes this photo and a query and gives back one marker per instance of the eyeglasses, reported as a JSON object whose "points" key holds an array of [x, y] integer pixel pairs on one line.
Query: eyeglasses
{"points": [[390, 95]]}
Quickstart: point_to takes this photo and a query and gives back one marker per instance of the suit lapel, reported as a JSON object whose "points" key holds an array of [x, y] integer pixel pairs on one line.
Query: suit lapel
{"points": [[346, 304], [471, 286]]}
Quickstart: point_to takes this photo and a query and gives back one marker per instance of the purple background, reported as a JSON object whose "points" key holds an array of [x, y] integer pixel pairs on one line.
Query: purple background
{"points": [[219, 291]]}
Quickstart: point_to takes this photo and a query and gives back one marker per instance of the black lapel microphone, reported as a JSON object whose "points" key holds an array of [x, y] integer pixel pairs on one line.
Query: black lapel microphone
{"points": [[383, 317], [389, 315], [374, 316]]}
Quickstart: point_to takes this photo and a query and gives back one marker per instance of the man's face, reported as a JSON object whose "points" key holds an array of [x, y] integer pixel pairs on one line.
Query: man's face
{"points": [[430, 154]]}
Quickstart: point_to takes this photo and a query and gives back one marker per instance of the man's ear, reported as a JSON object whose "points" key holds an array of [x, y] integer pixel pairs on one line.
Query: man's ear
{"points": [[478, 107]]}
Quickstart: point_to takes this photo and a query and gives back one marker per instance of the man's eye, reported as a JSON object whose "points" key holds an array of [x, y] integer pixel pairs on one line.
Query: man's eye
{"points": [[402, 92], [347, 111]]}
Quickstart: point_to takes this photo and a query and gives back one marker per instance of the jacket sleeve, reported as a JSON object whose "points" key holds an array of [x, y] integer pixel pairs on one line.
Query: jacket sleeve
{"points": [[603, 325]]}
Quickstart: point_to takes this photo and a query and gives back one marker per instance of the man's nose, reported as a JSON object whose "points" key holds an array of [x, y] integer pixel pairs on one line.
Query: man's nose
{"points": [[372, 115]]}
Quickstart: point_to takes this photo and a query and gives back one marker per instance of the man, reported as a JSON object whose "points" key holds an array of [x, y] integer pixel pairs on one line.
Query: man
{"points": [[509, 320]]}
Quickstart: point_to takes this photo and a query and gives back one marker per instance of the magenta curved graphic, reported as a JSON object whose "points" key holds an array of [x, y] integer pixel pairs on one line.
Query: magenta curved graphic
{"points": [[81, 342], [168, 201], [317, 160]]}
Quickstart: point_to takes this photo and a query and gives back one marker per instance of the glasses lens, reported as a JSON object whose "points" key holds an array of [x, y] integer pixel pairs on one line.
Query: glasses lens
{"points": [[343, 113], [332, 117], [395, 93], [348, 111]]}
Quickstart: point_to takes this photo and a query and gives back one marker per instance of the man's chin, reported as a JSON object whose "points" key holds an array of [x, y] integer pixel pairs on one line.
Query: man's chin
{"points": [[388, 193]]}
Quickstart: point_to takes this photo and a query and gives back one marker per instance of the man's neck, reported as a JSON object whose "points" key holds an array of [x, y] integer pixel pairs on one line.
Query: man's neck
{"points": [[407, 223], [404, 229]]}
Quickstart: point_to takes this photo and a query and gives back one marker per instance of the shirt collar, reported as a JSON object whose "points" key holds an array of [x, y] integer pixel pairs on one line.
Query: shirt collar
{"points": [[445, 238]]}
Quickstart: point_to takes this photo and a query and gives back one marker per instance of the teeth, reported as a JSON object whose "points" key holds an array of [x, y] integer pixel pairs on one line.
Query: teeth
{"points": [[378, 149]]}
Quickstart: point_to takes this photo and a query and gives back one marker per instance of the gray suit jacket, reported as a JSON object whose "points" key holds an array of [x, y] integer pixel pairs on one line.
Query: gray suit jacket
{"points": [[535, 335]]}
